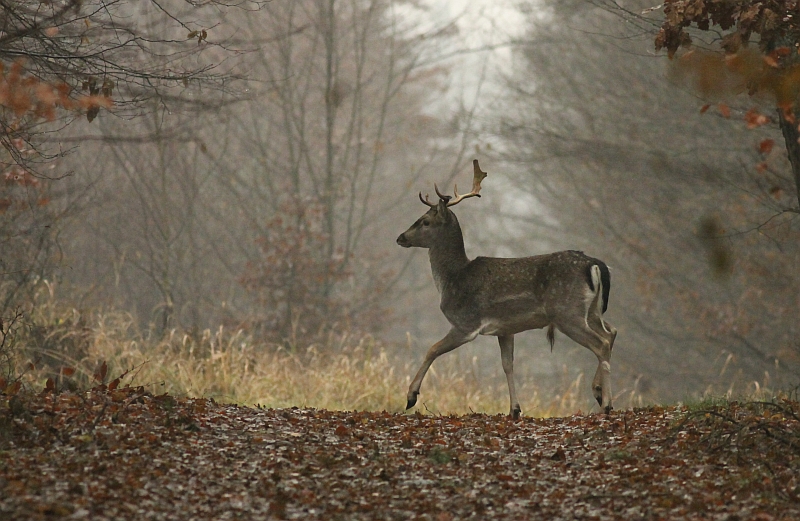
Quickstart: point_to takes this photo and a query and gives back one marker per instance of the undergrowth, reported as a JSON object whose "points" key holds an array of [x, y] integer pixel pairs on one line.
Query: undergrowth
{"points": [[346, 372], [343, 372], [750, 433]]}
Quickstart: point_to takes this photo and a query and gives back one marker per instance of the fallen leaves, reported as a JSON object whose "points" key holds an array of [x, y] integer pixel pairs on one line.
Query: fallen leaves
{"points": [[126, 454]]}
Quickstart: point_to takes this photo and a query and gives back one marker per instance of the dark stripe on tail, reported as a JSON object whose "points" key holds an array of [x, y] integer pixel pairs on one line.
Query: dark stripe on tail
{"points": [[605, 279]]}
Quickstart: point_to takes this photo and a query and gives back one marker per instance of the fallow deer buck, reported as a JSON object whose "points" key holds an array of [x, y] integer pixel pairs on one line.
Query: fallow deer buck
{"points": [[566, 290]]}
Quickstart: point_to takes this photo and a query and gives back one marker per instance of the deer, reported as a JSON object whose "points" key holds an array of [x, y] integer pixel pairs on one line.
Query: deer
{"points": [[566, 291]]}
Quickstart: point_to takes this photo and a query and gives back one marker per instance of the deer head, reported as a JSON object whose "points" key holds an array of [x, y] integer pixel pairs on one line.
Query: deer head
{"points": [[439, 223]]}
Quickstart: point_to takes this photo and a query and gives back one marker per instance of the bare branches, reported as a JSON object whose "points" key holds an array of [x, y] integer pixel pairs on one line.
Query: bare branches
{"points": [[80, 40], [68, 58]]}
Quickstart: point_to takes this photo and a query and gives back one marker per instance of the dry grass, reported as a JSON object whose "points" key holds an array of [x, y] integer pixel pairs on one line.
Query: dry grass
{"points": [[347, 373]]}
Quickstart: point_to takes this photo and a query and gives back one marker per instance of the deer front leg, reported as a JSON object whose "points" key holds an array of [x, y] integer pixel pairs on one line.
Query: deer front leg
{"points": [[452, 340], [507, 355]]}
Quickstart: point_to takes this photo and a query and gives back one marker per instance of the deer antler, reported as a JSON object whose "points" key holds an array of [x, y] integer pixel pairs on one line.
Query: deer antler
{"points": [[425, 201], [477, 177], [445, 198]]}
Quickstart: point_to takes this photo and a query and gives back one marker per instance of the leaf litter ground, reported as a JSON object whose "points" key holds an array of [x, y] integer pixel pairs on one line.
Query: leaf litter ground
{"points": [[124, 453]]}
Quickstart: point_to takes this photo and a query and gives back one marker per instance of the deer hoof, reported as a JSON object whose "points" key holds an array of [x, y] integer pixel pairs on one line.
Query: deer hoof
{"points": [[412, 400], [608, 409], [516, 412]]}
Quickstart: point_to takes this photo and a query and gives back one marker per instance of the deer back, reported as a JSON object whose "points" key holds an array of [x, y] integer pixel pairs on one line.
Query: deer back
{"points": [[506, 296]]}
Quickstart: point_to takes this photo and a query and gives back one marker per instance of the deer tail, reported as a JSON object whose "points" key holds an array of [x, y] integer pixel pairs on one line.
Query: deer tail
{"points": [[600, 279]]}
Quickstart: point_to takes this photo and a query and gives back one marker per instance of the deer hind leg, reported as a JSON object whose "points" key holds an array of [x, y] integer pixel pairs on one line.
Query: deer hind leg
{"points": [[599, 340], [609, 334], [507, 355], [595, 321], [452, 340]]}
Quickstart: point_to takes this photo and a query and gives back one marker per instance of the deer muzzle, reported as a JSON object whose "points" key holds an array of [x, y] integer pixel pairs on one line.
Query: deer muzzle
{"points": [[402, 241]]}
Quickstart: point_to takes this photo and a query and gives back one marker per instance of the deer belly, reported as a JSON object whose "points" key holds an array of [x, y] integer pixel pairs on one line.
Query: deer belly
{"points": [[513, 324]]}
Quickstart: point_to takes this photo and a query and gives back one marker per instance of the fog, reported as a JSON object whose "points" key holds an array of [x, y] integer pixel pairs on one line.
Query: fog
{"points": [[271, 201]]}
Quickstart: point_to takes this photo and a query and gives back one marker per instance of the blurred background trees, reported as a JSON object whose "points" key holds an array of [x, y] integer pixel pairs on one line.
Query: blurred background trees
{"points": [[62, 63], [687, 208], [272, 213], [259, 160]]}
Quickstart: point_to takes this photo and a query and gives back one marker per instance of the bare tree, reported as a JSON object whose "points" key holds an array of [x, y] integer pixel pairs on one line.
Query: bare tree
{"points": [[76, 58]]}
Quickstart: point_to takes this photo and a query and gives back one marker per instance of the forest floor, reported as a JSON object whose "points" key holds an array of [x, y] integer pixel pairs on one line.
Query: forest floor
{"points": [[122, 453]]}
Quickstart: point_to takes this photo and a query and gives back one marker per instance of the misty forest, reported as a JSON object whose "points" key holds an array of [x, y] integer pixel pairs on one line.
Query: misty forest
{"points": [[202, 200]]}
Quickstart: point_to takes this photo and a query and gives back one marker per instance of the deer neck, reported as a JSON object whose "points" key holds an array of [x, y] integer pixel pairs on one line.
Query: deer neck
{"points": [[448, 258]]}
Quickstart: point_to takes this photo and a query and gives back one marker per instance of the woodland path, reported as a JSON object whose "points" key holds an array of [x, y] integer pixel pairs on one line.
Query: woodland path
{"points": [[126, 454]]}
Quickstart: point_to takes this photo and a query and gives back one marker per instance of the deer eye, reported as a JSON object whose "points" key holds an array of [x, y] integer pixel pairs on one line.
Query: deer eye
{"points": [[426, 223]]}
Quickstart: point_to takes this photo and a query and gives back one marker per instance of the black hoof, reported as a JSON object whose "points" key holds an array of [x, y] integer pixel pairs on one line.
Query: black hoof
{"points": [[516, 413], [411, 402], [608, 409]]}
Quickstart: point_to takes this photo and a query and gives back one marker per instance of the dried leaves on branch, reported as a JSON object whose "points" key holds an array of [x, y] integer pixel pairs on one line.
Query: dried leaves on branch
{"points": [[74, 54], [771, 21], [66, 56], [123, 453], [94, 46], [769, 66]]}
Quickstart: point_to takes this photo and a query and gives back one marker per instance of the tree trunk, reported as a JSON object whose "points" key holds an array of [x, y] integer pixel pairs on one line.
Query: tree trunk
{"points": [[791, 136]]}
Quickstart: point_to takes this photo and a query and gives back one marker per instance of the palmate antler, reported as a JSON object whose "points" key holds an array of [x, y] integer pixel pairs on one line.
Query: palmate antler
{"points": [[478, 176]]}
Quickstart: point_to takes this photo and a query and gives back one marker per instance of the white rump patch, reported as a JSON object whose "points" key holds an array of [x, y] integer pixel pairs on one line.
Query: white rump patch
{"points": [[597, 281], [597, 293]]}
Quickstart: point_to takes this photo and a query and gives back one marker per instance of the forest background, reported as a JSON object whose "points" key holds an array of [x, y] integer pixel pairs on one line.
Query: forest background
{"points": [[207, 195]]}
